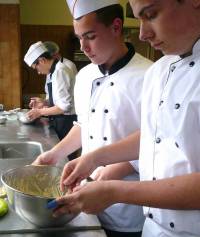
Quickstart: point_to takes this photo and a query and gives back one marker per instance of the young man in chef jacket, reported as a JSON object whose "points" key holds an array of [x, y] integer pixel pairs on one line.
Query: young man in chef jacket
{"points": [[54, 50], [59, 105], [107, 101], [169, 158]]}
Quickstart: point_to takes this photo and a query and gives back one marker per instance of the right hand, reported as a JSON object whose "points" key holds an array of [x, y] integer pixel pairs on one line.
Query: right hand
{"points": [[36, 102], [77, 170], [90, 198], [46, 158]]}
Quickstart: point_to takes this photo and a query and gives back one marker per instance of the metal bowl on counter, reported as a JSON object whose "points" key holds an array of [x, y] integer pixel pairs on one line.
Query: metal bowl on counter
{"points": [[22, 116], [2, 119], [29, 189]]}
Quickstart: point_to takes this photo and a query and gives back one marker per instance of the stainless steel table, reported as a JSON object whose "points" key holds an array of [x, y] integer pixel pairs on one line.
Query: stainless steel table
{"points": [[39, 132]]}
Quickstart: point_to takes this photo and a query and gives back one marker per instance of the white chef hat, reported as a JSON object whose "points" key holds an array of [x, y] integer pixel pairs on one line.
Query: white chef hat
{"points": [[34, 52], [79, 8]]}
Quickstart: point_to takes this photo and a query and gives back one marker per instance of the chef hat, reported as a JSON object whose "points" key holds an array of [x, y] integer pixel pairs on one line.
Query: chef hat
{"points": [[34, 52], [79, 8], [52, 47]]}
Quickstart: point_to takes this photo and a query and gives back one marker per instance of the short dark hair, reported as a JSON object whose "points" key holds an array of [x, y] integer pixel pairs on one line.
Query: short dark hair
{"points": [[107, 15]]}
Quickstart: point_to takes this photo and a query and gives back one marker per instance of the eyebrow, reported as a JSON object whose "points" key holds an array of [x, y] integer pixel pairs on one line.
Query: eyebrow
{"points": [[86, 33], [141, 13]]}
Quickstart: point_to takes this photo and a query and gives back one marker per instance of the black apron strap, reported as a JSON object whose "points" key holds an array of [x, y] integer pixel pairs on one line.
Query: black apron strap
{"points": [[49, 85]]}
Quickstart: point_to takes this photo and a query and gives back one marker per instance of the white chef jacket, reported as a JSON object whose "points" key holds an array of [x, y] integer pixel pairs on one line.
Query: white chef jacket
{"points": [[108, 109], [170, 135], [63, 81], [71, 66]]}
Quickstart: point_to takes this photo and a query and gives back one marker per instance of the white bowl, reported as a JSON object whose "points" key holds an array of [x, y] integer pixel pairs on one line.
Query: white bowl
{"points": [[22, 116], [2, 119]]}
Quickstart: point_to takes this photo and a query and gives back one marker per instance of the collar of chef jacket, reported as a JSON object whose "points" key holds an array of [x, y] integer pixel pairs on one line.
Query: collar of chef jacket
{"points": [[53, 66], [119, 63]]}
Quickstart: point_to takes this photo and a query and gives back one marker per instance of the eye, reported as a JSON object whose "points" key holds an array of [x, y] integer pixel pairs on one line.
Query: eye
{"points": [[150, 15], [90, 37]]}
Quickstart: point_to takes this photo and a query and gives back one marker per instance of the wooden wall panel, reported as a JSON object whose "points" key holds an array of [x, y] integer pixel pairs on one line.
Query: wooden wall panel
{"points": [[10, 77], [62, 35]]}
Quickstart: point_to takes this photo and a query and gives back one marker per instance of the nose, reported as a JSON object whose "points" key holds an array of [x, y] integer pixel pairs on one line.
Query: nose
{"points": [[146, 32], [84, 46]]}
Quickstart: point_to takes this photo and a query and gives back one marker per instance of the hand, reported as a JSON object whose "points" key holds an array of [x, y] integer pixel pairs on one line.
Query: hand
{"points": [[36, 103], [34, 113], [113, 172], [77, 170], [103, 173], [46, 158], [91, 198]]}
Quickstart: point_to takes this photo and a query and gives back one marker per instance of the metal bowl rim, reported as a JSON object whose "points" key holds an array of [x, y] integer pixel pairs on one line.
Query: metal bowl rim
{"points": [[25, 194]]}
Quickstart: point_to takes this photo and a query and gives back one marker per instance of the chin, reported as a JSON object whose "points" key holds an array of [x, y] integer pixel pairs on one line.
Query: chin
{"points": [[95, 61]]}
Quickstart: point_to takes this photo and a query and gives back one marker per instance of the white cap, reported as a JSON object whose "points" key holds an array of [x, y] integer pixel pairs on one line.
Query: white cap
{"points": [[52, 47], [34, 52], [79, 8]]}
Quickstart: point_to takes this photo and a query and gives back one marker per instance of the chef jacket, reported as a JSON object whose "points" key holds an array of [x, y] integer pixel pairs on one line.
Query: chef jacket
{"points": [[108, 109], [170, 135], [63, 81], [71, 66]]}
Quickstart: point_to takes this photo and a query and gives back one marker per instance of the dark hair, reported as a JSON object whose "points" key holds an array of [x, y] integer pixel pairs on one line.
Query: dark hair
{"points": [[107, 15], [46, 55]]}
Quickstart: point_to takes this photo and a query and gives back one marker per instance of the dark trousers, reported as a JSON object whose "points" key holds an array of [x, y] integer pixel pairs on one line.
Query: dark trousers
{"points": [[62, 125], [111, 233]]}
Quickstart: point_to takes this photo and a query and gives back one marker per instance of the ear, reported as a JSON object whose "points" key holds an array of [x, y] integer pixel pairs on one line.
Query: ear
{"points": [[196, 3], [117, 25], [42, 59]]}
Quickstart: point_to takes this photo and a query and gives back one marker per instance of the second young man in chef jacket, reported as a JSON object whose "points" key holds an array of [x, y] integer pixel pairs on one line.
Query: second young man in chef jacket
{"points": [[107, 100], [59, 104]]}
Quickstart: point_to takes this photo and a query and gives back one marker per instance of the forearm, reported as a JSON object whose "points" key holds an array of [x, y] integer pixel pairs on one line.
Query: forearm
{"points": [[54, 110], [125, 150], [69, 143], [181, 192], [119, 171]]}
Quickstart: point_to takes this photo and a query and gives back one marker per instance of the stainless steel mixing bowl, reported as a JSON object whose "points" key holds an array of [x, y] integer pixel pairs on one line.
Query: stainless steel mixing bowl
{"points": [[29, 189]]}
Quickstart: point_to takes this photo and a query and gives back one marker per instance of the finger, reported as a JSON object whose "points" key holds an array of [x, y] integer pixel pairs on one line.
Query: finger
{"points": [[96, 176], [35, 162], [69, 176], [67, 204], [66, 171], [77, 188], [72, 181], [62, 210]]}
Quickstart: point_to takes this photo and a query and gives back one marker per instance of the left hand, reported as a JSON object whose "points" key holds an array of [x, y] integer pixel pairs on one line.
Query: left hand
{"points": [[113, 172], [90, 198], [34, 113], [104, 173]]}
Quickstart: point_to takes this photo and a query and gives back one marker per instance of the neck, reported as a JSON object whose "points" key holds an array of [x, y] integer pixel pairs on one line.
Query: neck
{"points": [[118, 52]]}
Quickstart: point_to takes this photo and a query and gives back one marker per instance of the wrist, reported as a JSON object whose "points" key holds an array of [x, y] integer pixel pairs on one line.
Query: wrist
{"points": [[57, 153], [95, 157], [42, 112], [113, 192]]}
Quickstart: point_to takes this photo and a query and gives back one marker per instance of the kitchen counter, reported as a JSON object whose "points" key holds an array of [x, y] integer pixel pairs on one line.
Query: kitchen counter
{"points": [[14, 130], [82, 226]]}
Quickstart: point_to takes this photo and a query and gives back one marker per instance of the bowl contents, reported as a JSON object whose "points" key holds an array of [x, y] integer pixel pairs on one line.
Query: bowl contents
{"points": [[3, 207], [36, 183]]}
